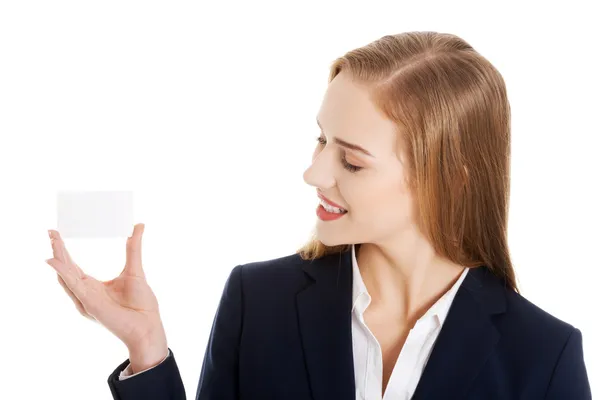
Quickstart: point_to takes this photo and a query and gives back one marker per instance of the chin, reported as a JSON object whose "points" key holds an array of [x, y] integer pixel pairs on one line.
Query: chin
{"points": [[330, 243], [330, 238]]}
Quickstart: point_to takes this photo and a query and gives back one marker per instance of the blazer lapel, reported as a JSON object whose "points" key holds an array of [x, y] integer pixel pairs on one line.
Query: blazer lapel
{"points": [[466, 340], [324, 312]]}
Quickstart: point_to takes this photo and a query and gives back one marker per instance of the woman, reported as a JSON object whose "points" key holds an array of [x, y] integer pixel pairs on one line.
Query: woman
{"points": [[407, 289]]}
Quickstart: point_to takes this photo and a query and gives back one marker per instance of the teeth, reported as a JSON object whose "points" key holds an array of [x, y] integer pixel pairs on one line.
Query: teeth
{"points": [[332, 209]]}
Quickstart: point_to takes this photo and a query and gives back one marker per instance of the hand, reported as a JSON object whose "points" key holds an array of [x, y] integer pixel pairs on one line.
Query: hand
{"points": [[126, 305]]}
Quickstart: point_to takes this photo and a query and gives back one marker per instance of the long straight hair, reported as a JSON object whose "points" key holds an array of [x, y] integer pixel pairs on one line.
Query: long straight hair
{"points": [[453, 117]]}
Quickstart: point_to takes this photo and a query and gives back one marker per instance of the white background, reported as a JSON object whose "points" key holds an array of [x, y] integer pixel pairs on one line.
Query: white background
{"points": [[206, 110]]}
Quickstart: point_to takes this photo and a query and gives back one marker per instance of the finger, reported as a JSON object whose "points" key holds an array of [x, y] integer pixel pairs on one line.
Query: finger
{"points": [[70, 277], [74, 298], [60, 251], [133, 264]]}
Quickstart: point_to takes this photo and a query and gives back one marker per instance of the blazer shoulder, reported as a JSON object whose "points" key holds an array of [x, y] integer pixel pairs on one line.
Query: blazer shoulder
{"points": [[546, 346], [282, 271], [289, 263], [534, 321]]}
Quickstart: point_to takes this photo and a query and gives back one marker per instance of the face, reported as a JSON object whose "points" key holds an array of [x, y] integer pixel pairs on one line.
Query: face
{"points": [[371, 187]]}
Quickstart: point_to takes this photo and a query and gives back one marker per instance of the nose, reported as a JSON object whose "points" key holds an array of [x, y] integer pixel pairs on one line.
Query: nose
{"points": [[320, 173]]}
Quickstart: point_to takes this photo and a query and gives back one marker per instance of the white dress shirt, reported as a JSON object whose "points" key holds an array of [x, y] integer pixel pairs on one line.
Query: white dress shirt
{"points": [[368, 362]]}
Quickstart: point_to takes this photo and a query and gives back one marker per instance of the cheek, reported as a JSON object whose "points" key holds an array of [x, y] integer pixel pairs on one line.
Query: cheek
{"points": [[380, 205]]}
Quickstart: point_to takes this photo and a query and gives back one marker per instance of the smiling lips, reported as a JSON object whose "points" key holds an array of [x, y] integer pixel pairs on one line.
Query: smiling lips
{"points": [[329, 202], [328, 210]]}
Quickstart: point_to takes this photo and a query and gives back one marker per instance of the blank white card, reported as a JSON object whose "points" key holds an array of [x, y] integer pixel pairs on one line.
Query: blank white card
{"points": [[95, 214]]}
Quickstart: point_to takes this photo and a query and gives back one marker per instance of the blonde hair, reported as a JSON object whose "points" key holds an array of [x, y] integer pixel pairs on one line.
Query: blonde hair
{"points": [[453, 117]]}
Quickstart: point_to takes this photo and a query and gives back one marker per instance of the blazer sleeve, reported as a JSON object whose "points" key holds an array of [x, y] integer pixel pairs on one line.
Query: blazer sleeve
{"points": [[219, 374], [161, 382], [570, 380]]}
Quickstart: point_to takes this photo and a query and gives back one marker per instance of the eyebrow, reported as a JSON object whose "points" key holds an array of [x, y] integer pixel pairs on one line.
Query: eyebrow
{"points": [[348, 145]]}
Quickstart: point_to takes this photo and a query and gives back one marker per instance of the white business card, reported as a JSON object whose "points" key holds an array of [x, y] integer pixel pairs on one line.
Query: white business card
{"points": [[95, 214]]}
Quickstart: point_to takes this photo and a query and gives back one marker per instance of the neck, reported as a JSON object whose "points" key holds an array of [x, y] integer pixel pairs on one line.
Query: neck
{"points": [[405, 280]]}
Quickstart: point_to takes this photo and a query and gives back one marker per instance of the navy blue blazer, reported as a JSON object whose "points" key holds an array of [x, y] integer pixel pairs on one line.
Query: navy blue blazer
{"points": [[282, 330]]}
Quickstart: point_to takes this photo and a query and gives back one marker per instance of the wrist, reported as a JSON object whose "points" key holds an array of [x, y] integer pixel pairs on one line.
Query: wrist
{"points": [[143, 356]]}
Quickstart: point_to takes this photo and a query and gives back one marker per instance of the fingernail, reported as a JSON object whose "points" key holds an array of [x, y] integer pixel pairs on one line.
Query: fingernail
{"points": [[50, 234]]}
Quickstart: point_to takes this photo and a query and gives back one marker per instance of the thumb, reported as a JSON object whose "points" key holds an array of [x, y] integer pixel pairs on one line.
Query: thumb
{"points": [[133, 264]]}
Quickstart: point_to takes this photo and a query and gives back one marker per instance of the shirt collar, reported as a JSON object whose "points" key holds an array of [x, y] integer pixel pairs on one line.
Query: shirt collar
{"points": [[441, 307], [359, 292]]}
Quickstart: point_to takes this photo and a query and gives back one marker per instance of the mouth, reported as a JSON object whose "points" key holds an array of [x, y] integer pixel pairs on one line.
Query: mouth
{"points": [[326, 212], [331, 209], [330, 206]]}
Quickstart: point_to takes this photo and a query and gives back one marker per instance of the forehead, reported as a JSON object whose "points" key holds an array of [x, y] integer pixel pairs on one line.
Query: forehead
{"points": [[348, 112]]}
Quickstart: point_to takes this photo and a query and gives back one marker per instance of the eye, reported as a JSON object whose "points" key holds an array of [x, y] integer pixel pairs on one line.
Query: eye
{"points": [[346, 164], [350, 167]]}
